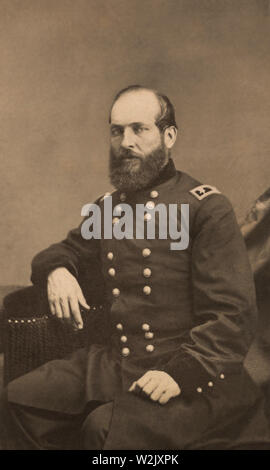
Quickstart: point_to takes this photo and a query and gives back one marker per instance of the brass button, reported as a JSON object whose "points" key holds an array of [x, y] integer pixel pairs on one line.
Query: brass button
{"points": [[117, 210], [222, 376], [111, 272], [116, 292], [154, 194], [147, 217], [147, 272], [115, 220], [210, 384], [149, 335], [123, 339], [150, 348], [146, 327], [119, 326], [147, 290], [123, 197], [199, 389], [146, 252], [150, 205], [110, 255], [125, 352]]}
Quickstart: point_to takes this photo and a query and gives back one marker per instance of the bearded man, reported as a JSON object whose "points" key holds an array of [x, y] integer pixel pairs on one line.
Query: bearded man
{"points": [[171, 373]]}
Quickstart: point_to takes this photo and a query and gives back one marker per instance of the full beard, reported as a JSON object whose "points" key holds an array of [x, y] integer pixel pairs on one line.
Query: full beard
{"points": [[129, 172]]}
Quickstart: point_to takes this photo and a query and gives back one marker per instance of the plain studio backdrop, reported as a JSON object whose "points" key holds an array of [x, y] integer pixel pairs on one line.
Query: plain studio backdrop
{"points": [[61, 64]]}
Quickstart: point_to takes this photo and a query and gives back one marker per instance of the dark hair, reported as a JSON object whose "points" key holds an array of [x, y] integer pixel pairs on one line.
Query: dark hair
{"points": [[166, 117]]}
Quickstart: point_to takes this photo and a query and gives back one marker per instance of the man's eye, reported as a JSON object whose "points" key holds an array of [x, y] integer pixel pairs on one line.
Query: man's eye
{"points": [[115, 131], [139, 130]]}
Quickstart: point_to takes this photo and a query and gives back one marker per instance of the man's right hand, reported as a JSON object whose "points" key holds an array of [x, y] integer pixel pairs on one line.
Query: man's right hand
{"points": [[65, 297]]}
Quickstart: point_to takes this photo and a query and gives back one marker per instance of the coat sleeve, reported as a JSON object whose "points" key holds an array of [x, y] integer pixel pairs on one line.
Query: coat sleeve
{"points": [[73, 253], [223, 298]]}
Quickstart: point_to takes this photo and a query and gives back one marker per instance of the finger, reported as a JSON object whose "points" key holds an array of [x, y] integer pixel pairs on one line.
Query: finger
{"points": [[132, 387], [150, 387], [171, 392], [144, 380], [135, 388], [65, 308], [52, 307], [82, 300], [58, 310], [158, 392], [76, 312], [165, 397], [74, 324], [176, 391]]}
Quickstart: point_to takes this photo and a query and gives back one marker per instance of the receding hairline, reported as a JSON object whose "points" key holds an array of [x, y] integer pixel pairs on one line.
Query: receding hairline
{"points": [[164, 118], [129, 91]]}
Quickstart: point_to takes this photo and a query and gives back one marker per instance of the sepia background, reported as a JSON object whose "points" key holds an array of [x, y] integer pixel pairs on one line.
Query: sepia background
{"points": [[61, 63]]}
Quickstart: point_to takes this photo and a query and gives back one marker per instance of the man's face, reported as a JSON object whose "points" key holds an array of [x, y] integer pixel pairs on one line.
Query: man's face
{"points": [[137, 149]]}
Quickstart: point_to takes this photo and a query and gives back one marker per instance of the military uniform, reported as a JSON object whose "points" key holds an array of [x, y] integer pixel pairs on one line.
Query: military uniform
{"points": [[190, 313]]}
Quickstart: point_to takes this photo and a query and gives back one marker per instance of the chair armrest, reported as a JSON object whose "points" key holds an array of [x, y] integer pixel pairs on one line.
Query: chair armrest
{"points": [[4, 291], [25, 301], [32, 336]]}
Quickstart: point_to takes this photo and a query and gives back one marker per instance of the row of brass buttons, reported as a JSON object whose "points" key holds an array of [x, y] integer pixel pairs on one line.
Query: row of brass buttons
{"points": [[148, 335], [146, 272], [123, 339], [146, 290], [149, 205], [145, 252], [146, 217], [210, 384]]}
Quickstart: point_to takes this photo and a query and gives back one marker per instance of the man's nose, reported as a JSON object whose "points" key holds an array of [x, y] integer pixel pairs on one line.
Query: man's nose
{"points": [[128, 139]]}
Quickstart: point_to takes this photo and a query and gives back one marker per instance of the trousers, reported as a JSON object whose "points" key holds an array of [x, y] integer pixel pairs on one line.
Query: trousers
{"points": [[26, 428]]}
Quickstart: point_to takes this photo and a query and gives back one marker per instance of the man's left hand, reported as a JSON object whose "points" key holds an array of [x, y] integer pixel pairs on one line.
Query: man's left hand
{"points": [[158, 385]]}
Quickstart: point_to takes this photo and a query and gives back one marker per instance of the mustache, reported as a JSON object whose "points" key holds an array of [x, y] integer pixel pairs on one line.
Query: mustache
{"points": [[126, 153]]}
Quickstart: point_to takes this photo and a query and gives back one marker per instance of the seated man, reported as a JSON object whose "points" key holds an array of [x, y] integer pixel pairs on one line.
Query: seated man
{"points": [[182, 313]]}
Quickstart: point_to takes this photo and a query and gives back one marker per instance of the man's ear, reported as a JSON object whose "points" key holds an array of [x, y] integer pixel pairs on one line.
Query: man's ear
{"points": [[170, 135]]}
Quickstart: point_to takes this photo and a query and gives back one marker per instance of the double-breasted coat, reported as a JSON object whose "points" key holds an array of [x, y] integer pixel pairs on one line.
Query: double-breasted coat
{"points": [[190, 313]]}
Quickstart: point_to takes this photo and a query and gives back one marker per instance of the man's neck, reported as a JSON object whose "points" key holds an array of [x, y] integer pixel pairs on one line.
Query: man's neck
{"points": [[167, 172]]}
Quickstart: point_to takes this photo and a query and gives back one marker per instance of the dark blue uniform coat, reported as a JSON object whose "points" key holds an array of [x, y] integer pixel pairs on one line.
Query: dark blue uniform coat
{"points": [[190, 313]]}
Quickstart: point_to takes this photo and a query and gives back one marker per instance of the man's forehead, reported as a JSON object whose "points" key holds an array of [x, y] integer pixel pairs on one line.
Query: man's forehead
{"points": [[135, 106]]}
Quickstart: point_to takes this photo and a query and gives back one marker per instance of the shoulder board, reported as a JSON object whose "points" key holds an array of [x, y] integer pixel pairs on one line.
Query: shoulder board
{"points": [[200, 192]]}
